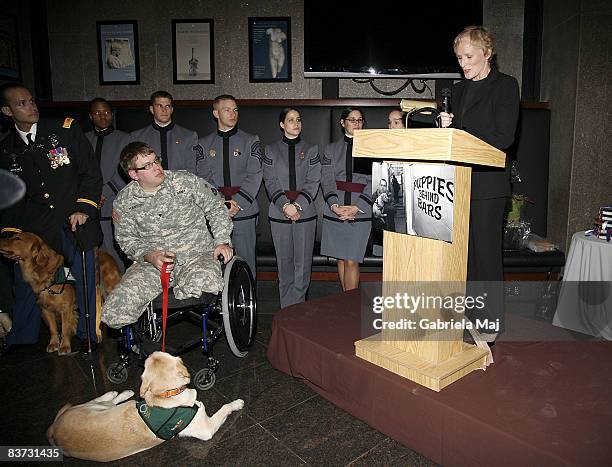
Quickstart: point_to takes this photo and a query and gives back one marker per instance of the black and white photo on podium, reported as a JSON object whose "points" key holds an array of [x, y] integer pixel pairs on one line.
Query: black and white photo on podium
{"points": [[415, 199]]}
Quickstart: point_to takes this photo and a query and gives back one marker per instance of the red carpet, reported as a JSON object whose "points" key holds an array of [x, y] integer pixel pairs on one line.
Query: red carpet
{"points": [[540, 403]]}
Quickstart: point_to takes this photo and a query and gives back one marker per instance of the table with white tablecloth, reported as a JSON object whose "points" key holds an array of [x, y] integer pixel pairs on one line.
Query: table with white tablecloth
{"points": [[585, 298]]}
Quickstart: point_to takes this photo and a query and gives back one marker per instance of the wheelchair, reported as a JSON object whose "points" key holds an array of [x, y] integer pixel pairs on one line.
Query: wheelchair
{"points": [[232, 313]]}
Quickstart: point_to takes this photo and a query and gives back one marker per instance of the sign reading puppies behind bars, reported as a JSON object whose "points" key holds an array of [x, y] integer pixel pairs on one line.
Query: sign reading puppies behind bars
{"points": [[430, 214]]}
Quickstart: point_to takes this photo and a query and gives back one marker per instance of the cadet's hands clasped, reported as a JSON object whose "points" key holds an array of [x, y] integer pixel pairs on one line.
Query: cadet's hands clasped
{"points": [[345, 213]]}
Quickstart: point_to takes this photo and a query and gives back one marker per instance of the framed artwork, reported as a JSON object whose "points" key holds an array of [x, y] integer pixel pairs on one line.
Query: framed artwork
{"points": [[270, 50], [10, 66], [193, 51], [118, 61]]}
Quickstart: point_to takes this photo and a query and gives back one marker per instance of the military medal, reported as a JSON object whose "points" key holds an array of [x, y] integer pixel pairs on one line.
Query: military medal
{"points": [[15, 166], [58, 155], [212, 153], [302, 155], [237, 152]]}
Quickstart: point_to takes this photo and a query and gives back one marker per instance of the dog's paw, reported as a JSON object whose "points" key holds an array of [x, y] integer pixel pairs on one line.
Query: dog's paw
{"points": [[64, 349], [53, 347], [238, 404]]}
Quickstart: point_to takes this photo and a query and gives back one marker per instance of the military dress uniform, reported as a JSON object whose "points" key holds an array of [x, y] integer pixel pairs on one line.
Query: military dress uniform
{"points": [[292, 174], [107, 145], [62, 176], [231, 161], [171, 219], [345, 240], [173, 144]]}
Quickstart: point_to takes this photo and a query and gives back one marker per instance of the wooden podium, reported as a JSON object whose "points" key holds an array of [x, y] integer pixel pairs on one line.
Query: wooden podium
{"points": [[433, 358]]}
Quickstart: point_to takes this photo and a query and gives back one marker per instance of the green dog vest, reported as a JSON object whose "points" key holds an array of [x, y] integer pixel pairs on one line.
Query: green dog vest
{"points": [[165, 423]]}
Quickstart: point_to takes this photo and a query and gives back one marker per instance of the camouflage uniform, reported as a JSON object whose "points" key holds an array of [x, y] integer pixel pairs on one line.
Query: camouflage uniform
{"points": [[171, 219]]}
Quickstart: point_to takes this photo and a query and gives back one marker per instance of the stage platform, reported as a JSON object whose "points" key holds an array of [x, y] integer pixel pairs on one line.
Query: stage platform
{"points": [[545, 402]]}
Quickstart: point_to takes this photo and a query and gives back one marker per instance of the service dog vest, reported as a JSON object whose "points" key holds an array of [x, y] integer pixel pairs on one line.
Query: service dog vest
{"points": [[165, 423]]}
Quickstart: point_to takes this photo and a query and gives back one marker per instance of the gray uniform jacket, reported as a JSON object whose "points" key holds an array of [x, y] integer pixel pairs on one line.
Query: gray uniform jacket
{"points": [[300, 182], [239, 169], [333, 170], [113, 178], [181, 143], [173, 218]]}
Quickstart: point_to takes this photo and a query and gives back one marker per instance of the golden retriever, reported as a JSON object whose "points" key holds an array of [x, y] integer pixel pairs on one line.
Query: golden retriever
{"points": [[57, 302], [107, 428]]}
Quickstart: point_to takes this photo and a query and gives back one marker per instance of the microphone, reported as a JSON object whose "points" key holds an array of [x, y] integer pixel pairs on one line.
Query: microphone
{"points": [[446, 96]]}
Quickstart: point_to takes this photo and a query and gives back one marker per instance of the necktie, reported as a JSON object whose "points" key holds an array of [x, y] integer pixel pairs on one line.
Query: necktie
{"points": [[30, 140]]}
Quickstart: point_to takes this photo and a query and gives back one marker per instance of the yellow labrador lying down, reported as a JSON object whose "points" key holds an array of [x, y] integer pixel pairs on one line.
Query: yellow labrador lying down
{"points": [[105, 429]]}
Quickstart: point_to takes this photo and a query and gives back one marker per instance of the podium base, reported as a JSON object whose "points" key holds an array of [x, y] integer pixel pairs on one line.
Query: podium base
{"points": [[408, 365]]}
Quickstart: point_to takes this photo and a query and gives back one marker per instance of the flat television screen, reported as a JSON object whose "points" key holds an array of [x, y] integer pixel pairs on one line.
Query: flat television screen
{"points": [[404, 39]]}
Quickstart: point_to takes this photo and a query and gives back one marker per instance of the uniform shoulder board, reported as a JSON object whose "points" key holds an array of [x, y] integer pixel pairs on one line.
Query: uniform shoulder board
{"points": [[67, 122]]}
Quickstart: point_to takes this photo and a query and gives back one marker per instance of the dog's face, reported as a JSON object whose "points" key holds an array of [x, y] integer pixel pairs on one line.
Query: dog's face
{"points": [[162, 372], [30, 247]]}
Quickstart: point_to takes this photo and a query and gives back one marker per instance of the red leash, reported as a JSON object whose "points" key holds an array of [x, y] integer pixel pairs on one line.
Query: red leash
{"points": [[165, 282]]}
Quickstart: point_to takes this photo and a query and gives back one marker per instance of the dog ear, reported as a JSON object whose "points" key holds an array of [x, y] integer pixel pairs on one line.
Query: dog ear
{"points": [[46, 259]]}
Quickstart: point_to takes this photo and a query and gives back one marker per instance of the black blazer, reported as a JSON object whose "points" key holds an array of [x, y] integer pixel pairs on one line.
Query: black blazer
{"points": [[492, 116], [54, 189]]}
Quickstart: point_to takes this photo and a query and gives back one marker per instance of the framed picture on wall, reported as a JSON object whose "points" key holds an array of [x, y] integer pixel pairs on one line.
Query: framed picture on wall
{"points": [[193, 51], [10, 66], [270, 50], [118, 61]]}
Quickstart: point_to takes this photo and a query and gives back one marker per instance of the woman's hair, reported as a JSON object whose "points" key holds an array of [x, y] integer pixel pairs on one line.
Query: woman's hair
{"points": [[345, 113], [284, 112], [479, 37]]}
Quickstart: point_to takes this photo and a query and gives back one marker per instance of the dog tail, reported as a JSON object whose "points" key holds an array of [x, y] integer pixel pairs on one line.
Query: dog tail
{"points": [[50, 430]]}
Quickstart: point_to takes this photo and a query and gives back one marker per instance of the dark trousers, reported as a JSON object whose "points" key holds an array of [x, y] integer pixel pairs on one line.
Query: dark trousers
{"points": [[485, 272], [26, 313]]}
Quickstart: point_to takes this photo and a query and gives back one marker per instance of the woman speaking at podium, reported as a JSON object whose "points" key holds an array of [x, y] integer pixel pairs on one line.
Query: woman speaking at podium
{"points": [[486, 105]]}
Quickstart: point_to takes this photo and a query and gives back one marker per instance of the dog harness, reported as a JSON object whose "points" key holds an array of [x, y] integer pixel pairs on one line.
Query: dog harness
{"points": [[165, 423]]}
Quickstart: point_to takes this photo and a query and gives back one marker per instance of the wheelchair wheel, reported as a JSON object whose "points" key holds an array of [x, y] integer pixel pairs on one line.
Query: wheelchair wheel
{"points": [[239, 306], [117, 373], [204, 379]]}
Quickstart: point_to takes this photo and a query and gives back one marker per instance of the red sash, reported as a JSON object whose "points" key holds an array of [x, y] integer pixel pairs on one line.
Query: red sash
{"points": [[350, 186], [229, 191], [292, 195]]}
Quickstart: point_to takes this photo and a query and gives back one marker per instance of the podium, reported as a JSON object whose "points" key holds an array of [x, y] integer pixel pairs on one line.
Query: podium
{"points": [[432, 358]]}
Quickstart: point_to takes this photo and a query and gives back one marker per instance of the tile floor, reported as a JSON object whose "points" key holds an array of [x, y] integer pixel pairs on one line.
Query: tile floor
{"points": [[283, 422]]}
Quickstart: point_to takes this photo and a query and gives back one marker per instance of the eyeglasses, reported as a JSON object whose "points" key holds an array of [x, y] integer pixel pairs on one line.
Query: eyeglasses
{"points": [[148, 165], [354, 120]]}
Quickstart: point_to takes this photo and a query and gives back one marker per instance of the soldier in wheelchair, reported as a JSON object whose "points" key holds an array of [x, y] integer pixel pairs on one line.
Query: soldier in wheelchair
{"points": [[161, 218]]}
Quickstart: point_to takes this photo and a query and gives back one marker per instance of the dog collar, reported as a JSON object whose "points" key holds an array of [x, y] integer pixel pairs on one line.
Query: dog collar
{"points": [[173, 392]]}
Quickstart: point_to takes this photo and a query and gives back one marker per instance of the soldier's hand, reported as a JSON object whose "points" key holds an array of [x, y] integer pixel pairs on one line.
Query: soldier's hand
{"points": [[224, 250], [77, 218], [233, 207], [158, 257]]}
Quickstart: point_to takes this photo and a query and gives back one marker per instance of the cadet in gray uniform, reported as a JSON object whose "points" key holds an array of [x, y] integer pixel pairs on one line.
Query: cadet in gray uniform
{"points": [[107, 144], [176, 146], [347, 213], [161, 218], [231, 161], [292, 174]]}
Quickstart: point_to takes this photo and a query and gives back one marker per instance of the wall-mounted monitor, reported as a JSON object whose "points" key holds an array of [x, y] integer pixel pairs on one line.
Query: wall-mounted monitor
{"points": [[404, 39]]}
